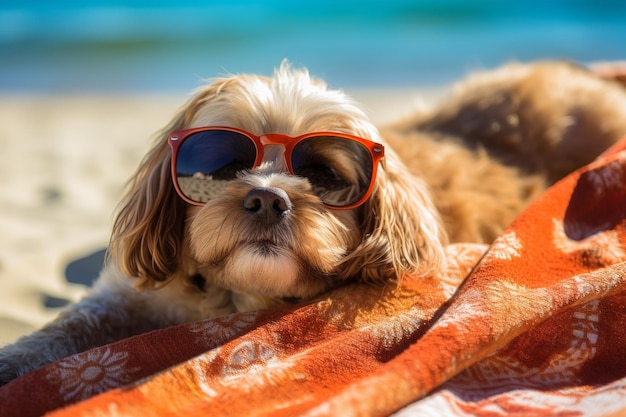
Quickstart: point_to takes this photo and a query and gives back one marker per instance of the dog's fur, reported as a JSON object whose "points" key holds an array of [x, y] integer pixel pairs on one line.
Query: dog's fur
{"points": [[467, 168]]}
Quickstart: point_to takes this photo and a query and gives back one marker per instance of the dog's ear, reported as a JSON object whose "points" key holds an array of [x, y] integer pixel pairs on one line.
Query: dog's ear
{"points": [[403, 233], [147, 237]]}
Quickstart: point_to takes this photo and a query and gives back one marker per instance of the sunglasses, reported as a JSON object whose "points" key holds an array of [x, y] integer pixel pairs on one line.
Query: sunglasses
{"points": [[341, 168]]}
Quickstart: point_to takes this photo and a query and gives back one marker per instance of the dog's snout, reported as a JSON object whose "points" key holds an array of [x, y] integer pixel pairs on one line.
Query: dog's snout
{"points": [[268, 205]]}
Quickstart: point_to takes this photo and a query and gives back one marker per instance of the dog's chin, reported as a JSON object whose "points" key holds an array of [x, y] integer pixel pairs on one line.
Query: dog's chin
{"points": [[267, 269]]}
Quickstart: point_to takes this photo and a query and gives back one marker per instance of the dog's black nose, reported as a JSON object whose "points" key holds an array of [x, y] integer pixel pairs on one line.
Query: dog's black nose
{"points": [[267, 204]]}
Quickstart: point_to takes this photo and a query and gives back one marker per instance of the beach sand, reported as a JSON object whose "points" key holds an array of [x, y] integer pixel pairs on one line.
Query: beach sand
{"points": [[65, 162]]}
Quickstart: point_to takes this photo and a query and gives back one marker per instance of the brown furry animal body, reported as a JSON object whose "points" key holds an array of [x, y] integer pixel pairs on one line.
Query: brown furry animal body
{"points": [[503, 136]]}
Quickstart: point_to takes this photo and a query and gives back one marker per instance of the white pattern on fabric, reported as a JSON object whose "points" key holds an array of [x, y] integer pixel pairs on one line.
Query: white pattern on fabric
{"points": [[506, 247], [86, 374], [223, 329]]}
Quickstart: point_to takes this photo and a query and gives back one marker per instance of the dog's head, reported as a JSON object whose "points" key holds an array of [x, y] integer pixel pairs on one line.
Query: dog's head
{"points": [[266, 231]]}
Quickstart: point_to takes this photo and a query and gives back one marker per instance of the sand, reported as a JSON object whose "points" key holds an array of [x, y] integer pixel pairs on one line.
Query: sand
{"points": [[65, 162]]}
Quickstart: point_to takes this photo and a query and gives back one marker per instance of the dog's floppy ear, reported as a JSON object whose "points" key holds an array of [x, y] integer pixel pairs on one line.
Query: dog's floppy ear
{"points": [[402, 229], [147, 237]]}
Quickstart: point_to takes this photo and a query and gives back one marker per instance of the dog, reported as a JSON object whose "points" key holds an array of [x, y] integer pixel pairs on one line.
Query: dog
{"points": [[266, 191]]}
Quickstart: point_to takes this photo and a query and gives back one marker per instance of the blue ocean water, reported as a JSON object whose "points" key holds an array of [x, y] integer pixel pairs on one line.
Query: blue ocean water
{"points": [[135, 45]]}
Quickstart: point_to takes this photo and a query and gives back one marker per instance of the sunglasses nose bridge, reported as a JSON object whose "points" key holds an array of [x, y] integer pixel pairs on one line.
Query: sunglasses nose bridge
{"points": [[269, 149], [275, 139], [272, 142]]}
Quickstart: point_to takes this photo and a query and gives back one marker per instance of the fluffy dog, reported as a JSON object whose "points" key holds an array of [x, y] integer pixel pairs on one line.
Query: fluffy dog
{"points": [[307, 202]]}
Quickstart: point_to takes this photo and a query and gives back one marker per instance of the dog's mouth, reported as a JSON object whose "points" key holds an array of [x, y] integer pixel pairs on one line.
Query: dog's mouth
{"points": [[266, 247]]}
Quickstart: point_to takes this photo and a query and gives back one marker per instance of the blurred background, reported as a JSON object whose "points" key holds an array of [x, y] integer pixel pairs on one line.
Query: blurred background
{"points": [[169, 45]]}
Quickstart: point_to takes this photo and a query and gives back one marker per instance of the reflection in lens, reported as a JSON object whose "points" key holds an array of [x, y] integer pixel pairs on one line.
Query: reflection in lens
{"points": [[339, 169], [200, 190], [208, 160]]}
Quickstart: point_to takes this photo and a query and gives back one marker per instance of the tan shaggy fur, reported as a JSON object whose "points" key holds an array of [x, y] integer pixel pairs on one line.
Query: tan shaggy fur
{"points": [[503, 136]]}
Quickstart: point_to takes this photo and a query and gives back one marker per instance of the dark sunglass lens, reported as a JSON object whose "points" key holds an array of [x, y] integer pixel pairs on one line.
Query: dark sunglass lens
{"points": [[339, 169], [208, 160]]}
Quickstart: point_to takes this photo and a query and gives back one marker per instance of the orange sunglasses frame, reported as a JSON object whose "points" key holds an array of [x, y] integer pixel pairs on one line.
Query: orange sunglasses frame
{"points": [[376, 150]]}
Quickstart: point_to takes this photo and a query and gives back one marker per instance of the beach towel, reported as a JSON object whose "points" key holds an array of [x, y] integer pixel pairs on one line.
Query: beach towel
{"points": [[534, 324]]}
